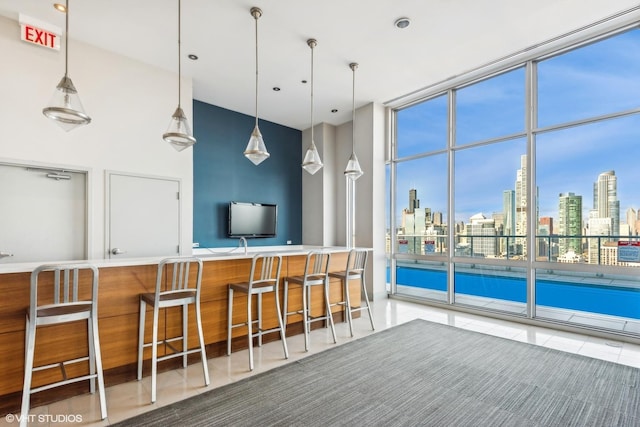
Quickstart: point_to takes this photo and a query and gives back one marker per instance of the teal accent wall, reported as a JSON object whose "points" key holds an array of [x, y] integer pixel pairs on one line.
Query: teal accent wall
{"points": [[222, 174]]}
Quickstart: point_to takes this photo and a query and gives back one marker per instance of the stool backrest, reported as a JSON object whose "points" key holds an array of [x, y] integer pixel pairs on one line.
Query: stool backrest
{"points": [[357, 261], [265, 269], [174, 273], [317, 264], [69, 284]]}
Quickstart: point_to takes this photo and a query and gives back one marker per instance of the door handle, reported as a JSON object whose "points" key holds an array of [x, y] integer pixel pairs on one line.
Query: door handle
{"points": [[117, 251], [5, 254]]}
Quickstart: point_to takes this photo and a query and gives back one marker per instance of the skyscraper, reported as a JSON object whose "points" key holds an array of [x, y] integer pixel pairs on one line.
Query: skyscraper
{"points": [[605, 200], [414, 202], [413, 222], [569, 223], [604, 218], [509, 221], [509, 212], [631, 221], [521, 206]]}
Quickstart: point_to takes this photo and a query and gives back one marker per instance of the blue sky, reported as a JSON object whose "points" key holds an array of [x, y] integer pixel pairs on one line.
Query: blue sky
{"points": [[597, 79]]}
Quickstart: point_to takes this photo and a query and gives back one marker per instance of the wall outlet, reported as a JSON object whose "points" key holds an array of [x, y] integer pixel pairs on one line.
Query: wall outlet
{"points": [[288, 242], [195, 245]]}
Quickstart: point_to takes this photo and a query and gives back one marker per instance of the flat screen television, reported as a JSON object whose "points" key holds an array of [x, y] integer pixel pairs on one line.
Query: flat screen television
{"points": [[252, 219]]}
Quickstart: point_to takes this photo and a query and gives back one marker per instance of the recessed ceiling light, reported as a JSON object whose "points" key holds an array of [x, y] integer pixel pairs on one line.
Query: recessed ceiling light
{"points": [[402, 23], [335, 110], [276, 89], [60, 7], [192, 57]]}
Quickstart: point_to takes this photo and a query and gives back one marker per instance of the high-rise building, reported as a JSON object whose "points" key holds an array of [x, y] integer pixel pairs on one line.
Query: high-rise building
{"points": [[604, 218], [544, 245], [509, 212], [598, 227], [546, 224], [520, 195], [482, 232], [631, 221], [569, 223], [428, 218], [413, 223], [414, 202], [605, 199], [507, 245], [437, 218]]}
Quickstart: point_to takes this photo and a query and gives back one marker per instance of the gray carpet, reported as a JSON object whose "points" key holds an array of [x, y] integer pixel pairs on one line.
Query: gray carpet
{"points": [[421, 374]]}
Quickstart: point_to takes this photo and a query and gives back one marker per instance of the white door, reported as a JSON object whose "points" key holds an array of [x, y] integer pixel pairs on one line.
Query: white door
{"points": [[42, 214], [143, 216]]}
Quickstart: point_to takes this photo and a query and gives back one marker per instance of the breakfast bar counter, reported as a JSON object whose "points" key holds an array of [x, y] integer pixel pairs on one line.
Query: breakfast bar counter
{"points": [[121, 282]]}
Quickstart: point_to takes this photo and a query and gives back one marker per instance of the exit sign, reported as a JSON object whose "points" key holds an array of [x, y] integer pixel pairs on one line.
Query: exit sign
{"points": [[39, 33]]}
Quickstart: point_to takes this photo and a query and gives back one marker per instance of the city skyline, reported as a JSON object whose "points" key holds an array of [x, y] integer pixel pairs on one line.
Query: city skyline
{"points": [[592, 81], [585, 208]]}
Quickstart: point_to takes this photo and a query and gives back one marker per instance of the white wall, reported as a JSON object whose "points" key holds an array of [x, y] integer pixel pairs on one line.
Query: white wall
{"points": [[343, 151], [322, 225], [370, 187], [318, 200], [130, 104]]}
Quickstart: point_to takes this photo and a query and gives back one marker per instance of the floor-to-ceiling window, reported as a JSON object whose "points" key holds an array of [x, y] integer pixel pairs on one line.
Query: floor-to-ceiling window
{"points": [[519, 191]]}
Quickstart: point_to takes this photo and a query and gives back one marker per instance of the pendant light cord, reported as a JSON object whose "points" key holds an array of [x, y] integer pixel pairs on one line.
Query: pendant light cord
{"points": [[312, 45], [353, 109], [66, 41], [256, 16], [179, 68]]}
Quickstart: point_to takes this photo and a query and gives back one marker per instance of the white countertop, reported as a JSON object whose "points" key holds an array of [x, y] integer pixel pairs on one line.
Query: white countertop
{"points": [[206, 254]]}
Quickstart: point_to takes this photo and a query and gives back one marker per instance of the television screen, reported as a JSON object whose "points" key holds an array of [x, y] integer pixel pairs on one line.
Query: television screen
{"points": [[252, 219]]}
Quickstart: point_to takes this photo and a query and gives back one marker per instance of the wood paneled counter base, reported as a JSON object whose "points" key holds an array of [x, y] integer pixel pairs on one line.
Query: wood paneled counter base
{"points": [[118, 305]]}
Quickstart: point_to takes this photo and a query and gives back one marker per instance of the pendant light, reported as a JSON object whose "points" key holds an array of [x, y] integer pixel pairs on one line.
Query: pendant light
{"points": [[256, 151], [353, 170], [179, 133], [312, 162], [65, 106]]}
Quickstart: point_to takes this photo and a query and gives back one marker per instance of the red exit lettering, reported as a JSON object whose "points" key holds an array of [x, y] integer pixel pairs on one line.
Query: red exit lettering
{"points": [[39, 36]]}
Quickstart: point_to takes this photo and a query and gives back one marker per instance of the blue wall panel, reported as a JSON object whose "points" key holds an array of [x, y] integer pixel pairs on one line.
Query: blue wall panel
{"points": [[222, 174]]}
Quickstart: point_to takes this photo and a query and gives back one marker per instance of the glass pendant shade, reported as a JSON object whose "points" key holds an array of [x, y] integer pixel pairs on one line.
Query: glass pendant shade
{"points": [[179, 133], [65, 107], [256, 151], [312, 162], [353, 170]]}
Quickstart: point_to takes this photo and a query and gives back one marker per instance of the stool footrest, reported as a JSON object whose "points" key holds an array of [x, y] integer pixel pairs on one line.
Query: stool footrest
{"points": [[64, 382], [179, 354], [60, 364], [317, 318]]}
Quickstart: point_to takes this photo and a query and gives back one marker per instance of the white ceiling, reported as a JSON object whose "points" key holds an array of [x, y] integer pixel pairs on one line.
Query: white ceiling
{"points": [[446, 38]]}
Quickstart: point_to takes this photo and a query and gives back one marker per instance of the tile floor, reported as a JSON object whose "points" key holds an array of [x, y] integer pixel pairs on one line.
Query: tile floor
{"points": [[130, 399]]}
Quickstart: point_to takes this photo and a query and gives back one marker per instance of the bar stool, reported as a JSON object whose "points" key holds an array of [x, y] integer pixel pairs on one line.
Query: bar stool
{"points": [[355, 270], [264, 278], [316, 270], [74, 297], [173, 273]]}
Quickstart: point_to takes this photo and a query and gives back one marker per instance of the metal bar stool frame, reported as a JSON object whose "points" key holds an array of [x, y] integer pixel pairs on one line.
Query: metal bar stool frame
{"points": [[66, 307], [316, 273], [177, 293], [355, 270], [266, 280]]}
